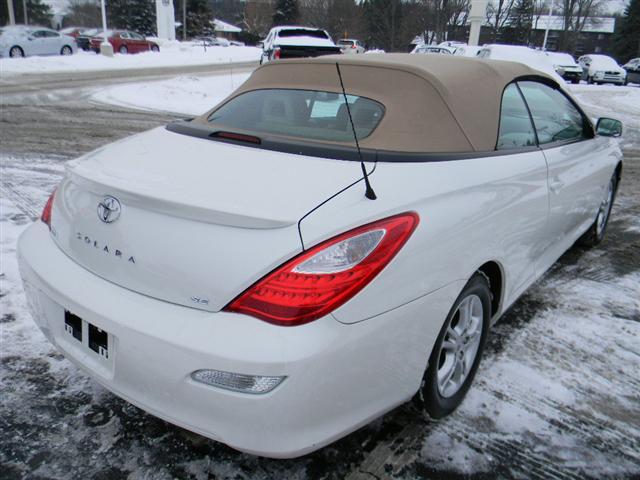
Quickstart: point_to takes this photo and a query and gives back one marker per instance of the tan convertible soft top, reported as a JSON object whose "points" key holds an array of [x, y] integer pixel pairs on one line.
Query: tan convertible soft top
{"points": [[433, 103]]}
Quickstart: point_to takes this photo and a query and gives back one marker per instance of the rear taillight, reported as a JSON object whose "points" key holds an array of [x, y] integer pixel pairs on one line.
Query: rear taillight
{"points": [[323, 278], [46, 212], [276, 54], [353, 46]]}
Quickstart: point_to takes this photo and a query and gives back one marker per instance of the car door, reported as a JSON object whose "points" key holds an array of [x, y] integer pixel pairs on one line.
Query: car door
{"points": [[578, 169], [522, 242], [137, 42], [37, 43], [52, 44]]}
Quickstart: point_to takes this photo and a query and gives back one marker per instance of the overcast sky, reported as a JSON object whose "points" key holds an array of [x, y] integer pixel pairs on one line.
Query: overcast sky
{"points": [[610, 6]]}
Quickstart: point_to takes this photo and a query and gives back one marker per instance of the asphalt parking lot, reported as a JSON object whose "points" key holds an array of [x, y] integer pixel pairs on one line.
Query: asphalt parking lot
{"points": [[557, 395]]}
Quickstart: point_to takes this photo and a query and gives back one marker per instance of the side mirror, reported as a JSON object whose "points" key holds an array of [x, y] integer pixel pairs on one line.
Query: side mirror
{"points": [[608, 127]]}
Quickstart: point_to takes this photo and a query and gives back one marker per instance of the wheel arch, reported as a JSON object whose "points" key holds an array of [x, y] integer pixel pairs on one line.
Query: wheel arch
{"points": [[494, 273]]}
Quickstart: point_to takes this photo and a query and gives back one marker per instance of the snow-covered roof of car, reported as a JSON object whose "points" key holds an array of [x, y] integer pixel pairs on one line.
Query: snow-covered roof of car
{"points": [[433, 103]]}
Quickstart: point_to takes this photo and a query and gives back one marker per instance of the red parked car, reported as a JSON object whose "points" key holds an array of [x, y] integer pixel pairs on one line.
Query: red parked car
{"points": [[125, 41]]}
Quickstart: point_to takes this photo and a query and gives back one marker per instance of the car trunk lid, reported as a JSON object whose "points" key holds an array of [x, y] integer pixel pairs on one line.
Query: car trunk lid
{"points": [[197, 221]]}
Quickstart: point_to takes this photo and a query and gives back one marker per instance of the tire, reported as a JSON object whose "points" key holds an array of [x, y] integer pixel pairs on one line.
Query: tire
{"points": [[16, 52], [440, 397], [123, 49], [66, 50], [155, 48], [598, 229], [590, 80], [575, 81]]}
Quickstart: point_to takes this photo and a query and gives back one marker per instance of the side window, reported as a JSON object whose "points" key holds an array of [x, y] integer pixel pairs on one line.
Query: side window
{"points": [[556, 119], [38, 34], [516, 130], [51, 34]]}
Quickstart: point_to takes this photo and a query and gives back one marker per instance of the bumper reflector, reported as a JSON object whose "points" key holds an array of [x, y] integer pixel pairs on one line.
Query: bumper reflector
{"points": [[237, 382]]}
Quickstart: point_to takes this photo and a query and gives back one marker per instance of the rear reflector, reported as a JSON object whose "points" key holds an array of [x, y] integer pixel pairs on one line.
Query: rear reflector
{"points": [[323, 278], [46, 212], [237, 382]]}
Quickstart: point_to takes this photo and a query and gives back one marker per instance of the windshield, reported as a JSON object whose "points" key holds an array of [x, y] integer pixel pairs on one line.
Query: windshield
{"points": [[302, 32], [308, 114], [562, 59]]}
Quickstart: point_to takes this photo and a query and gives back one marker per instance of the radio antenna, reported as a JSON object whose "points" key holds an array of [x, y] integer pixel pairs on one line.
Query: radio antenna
{"points": [[369, 193]]}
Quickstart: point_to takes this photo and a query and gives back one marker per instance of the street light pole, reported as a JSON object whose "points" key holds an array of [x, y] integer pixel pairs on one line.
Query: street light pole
{"points": [[184, 20], [24, 7], [546, 31], [106, 48]]}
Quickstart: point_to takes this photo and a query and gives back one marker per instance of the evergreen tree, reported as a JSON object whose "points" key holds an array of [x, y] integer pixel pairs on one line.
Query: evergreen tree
{"points": [[287, 12], [136, 15], [38, 13], [199, 18], [83, 13], [520, 23], [383, 21], [627, 39]]}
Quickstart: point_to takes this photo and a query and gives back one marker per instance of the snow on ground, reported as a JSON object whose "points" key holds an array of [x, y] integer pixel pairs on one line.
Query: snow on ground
{"points": [[170, 55], [190, 95]]}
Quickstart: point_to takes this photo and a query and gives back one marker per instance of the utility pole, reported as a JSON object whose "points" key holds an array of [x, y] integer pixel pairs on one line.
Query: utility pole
{"points": [[106, 48], [476, 17], [12, 15], [546, 31], [24, 7], [184, 20]]}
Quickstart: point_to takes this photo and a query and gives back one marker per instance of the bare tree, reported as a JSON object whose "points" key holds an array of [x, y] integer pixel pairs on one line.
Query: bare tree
{"points": [[498, 15], [575, 14]]}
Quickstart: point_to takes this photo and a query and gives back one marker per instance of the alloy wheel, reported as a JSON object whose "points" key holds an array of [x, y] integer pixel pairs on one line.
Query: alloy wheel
{"points": [[460, 346], [605, 210]]}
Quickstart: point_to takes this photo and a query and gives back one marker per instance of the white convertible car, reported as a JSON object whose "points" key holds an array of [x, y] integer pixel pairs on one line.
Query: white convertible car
{"points": [[256, 276]]}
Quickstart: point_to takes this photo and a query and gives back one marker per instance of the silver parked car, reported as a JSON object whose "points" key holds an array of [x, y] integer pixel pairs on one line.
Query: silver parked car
{"points": [[18, 41]]}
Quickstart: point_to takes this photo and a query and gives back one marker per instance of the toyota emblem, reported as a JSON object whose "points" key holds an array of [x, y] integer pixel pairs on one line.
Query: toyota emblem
{"points": [[109, 209]]}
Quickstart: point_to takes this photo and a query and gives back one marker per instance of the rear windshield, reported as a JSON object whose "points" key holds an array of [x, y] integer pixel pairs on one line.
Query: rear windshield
{"points": [[345, 42], [308, 114], [302, 32]]}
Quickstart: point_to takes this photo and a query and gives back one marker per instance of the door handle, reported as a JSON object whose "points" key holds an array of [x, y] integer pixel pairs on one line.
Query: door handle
{"points": [[555, 185]]}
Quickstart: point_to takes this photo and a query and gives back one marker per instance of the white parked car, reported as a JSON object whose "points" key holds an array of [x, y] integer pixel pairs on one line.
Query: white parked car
{"points": [[467, 50], [296, 42], [565, 66], [528, 56], [602, 69], [27, 41], [350, 46], [431, 50], [264, 292]]}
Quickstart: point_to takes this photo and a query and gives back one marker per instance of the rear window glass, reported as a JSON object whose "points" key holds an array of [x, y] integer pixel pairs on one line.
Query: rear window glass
{"points": [[302, 32], [308, 114], [345, 42]]}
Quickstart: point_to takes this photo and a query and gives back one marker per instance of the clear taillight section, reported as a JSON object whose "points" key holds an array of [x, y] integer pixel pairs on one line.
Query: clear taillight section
{"points": [[323, 278], [46, 212]]}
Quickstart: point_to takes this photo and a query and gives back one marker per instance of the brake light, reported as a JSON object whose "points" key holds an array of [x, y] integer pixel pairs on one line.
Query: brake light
{"points": [[353, 46], [323, 278], [46, 212], [276, 54]]}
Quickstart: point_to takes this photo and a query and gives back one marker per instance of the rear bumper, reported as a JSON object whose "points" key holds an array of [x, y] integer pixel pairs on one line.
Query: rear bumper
{"points": [[339, 377]]}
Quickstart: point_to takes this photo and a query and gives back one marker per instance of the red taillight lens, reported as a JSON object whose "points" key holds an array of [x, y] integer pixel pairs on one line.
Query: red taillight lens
{"points": [[353, 46], [46, 212], [318, 281], [276, 54]]}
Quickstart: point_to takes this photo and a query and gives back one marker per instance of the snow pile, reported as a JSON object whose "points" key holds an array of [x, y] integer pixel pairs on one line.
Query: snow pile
{"points": [[188, 95], [172, 54]]}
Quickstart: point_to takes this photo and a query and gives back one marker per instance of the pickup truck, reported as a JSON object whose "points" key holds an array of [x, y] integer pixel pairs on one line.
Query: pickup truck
{"points": [[297, 42]]}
